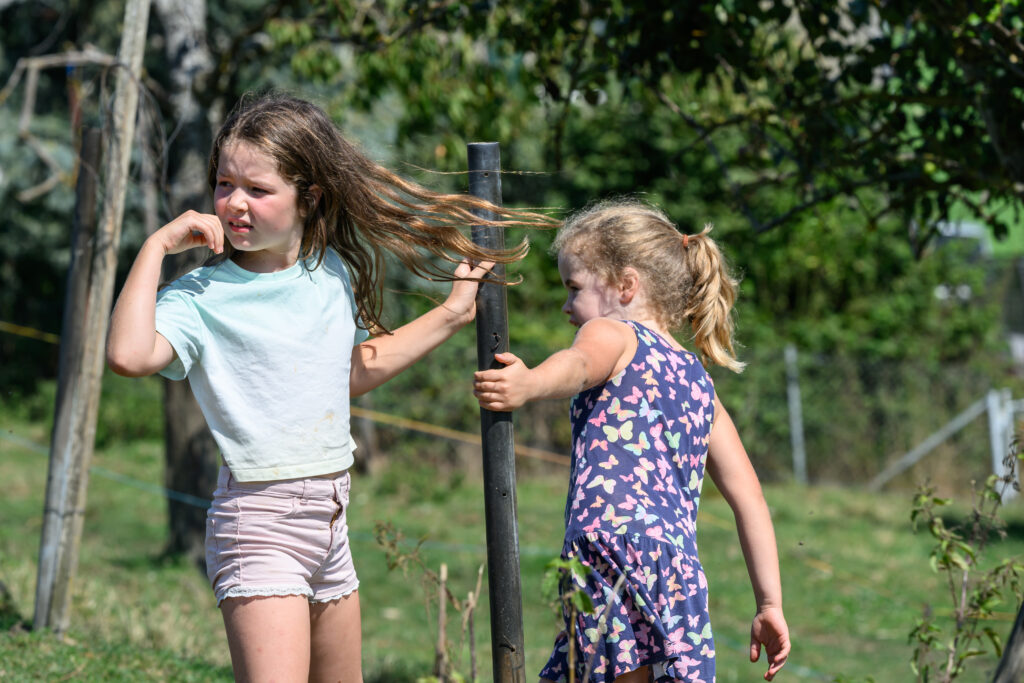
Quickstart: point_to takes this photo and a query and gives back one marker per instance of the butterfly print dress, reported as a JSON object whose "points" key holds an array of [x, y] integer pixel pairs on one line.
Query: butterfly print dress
{"points": [[640, 444]]}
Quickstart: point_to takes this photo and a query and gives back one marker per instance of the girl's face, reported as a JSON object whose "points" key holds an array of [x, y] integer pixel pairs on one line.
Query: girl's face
{"points": [[589, 296], [257, 208]]}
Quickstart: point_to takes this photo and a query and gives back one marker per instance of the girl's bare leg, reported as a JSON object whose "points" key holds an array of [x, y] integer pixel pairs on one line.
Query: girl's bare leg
{"points": [[268, 637], [336, 641], [641, 675]]}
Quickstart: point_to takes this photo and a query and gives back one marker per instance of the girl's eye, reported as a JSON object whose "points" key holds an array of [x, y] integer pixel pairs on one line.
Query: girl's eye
{"points": [[258, 190]]}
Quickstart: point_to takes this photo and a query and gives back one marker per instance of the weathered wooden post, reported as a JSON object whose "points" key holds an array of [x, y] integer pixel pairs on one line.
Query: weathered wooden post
{"points": [[796, 419], [499, 470], [63, 514], [86, 314]]}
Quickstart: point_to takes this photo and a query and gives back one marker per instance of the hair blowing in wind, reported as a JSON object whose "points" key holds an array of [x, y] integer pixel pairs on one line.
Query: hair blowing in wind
{"points": [[363, 209]]}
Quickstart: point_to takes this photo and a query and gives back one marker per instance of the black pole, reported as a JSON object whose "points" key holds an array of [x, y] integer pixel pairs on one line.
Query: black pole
{"points": [[499, 466]]}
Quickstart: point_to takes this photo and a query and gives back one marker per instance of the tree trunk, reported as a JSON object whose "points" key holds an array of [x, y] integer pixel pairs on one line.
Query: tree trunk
{"points": [[191, 468], [190, 451]]}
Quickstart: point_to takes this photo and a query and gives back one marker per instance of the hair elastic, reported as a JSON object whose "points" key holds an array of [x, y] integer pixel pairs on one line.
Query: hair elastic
{"points": [[686, 240]]}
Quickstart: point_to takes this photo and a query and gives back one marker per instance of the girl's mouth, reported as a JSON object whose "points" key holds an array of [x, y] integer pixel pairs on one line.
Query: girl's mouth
{"points": [[238, 226]]}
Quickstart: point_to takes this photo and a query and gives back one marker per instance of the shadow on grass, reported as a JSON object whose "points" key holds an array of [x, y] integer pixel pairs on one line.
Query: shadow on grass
{"points": [[10, 618], [398, 673], [162, 560], [1015, 528]]}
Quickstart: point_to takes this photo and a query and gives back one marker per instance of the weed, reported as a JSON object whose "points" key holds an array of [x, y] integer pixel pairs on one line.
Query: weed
{"points": [[390, 540], [942, 650]]}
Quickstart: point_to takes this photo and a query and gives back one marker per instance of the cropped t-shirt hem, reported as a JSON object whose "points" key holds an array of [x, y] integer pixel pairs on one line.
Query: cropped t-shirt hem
{"points": [[314, 469]]}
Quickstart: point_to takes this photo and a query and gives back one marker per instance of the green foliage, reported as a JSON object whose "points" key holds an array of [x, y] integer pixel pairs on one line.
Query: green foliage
{"points": [[559, 586], [129, 409], [814, 120], [790, 107], [944, 648], [564, 584]]}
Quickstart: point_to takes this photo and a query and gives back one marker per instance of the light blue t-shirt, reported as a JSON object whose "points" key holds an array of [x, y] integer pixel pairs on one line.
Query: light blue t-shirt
{"points": [[268, 358]]}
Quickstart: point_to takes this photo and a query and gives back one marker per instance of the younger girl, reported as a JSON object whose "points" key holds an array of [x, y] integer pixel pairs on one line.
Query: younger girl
{"points": [[271, 334], [645, 423]]}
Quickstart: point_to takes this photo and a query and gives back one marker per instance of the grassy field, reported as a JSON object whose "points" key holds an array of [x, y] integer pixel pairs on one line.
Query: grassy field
{"points": [[855, 575]]}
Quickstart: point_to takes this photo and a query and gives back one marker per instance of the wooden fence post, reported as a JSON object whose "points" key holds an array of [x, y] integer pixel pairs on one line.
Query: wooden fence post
{"points": [[796, 416], [82, 352], [1000, 427], [66, 462]]}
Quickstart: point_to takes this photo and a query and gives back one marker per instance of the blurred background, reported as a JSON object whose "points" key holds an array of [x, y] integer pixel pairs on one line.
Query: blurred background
{"points": [[862, 164]]}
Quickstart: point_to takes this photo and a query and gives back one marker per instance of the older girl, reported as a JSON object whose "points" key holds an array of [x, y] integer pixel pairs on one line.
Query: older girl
{"points": [[272, 335]]}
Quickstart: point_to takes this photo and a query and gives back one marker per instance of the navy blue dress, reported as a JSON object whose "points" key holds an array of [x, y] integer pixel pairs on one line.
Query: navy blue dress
{"points": [[640, 444]]}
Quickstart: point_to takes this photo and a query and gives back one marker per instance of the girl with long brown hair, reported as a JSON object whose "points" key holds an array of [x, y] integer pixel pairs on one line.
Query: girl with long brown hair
{"points": [[272, 334]]}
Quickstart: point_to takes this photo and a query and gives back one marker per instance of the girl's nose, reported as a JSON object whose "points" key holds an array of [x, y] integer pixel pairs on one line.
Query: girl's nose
{"points": [[565, 307], [236, 200]]}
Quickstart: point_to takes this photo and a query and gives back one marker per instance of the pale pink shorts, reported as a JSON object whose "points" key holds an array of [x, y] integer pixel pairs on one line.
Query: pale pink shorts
{"points": [[280, 538]]}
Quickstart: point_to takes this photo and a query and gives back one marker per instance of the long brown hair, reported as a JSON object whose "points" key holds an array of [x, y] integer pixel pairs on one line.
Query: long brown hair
{"points": [[363, 209], [686, 277]]}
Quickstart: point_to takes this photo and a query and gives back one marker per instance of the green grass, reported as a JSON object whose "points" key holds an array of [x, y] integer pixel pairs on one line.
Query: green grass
{"points": [[855, 576]]}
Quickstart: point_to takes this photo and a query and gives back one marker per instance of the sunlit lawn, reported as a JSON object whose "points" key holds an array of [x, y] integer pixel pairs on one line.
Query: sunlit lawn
{"points": [[855, 576]]}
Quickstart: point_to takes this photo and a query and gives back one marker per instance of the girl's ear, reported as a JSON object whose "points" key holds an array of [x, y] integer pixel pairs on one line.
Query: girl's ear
{"points": [[313, 199], [629, 285]]}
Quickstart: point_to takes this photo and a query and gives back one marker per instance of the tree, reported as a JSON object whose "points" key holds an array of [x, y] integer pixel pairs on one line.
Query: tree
{"points": [[189, 449], [824, 140], [919, 105]]}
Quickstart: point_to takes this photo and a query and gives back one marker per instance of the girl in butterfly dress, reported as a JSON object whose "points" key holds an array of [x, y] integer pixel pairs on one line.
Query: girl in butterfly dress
{"points": [[646, 422]]}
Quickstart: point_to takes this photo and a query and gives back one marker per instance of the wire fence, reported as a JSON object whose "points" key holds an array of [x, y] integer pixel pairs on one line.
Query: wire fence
{"points": [[855, 417], [815, 418]]}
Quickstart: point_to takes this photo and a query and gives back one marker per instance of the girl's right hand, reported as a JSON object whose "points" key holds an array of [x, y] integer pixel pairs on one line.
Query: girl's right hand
{"points": [[769, 630], [190, 230], [502, 389]]}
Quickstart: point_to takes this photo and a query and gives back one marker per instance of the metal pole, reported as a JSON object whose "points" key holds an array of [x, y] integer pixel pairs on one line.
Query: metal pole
{"points": [[499, 471], [922, 449]]}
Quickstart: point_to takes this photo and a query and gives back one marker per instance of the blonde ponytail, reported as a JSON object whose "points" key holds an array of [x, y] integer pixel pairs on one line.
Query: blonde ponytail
{"points": [[687, 281], [709, 300]]}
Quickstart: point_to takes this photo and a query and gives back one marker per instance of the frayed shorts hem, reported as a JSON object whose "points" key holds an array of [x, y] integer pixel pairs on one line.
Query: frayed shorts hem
{"points": [[339, 596], [242, 592], [281, 592]]}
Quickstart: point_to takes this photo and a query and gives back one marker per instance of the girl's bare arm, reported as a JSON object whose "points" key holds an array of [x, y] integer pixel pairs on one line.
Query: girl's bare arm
{"points": [[134, 347], [377, 360], [734, 476], [601, 349]]}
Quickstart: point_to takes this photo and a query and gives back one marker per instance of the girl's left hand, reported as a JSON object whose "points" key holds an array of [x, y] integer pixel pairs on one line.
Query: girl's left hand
{"points": [[770, 630], [462, 300]]}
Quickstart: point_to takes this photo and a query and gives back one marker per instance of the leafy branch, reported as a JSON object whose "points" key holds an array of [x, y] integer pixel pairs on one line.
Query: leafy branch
{"points": [[942, 651]]}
